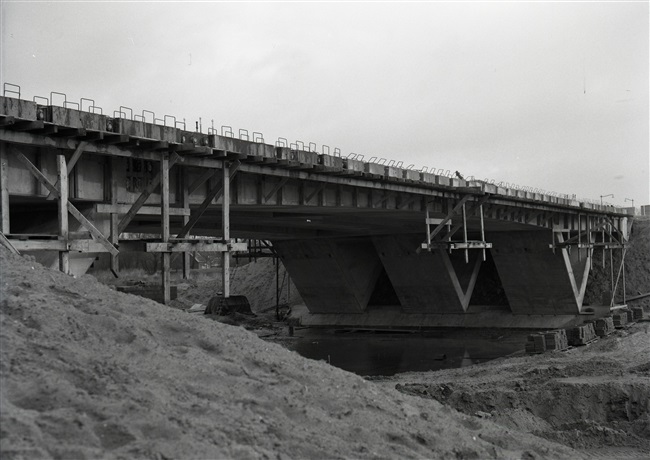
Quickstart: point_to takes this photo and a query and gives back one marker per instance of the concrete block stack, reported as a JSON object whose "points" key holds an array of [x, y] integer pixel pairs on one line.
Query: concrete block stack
{"points": [[637, 313], [630, 316], [556, 340], [604, 326], [582, 335], [536, 343], [620, 320]]}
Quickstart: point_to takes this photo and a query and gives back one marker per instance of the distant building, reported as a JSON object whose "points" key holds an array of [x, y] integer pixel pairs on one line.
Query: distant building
{"points": [[645, 210]]}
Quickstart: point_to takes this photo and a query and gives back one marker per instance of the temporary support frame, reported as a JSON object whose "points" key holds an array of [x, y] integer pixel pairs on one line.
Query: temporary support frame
{"points": [[64, 242], [611, 238], [95, 233], [446, 241]]}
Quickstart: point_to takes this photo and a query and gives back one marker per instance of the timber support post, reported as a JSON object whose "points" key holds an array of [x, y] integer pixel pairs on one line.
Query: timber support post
{"points": [[164, 207], [225, 227], [185, 194], [115, 218], [4, 188], [62, 173]]}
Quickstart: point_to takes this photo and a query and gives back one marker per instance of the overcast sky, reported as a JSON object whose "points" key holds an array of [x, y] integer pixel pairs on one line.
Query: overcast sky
{"points": [[550, 95]]}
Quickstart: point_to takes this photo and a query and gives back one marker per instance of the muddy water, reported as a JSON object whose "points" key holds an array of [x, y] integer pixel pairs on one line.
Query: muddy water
{"points": [[387, 353]]}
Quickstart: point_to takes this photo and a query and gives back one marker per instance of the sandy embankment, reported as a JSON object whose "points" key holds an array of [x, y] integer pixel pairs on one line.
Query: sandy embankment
{"points": [[88, 372]]}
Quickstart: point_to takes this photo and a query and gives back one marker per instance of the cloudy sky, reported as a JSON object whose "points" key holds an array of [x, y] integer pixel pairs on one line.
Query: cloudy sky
{"points": [[550, 95]]}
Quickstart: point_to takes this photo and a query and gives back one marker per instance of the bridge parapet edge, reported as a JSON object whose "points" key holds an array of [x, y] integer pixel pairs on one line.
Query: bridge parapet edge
{"points": [[100, 131]]}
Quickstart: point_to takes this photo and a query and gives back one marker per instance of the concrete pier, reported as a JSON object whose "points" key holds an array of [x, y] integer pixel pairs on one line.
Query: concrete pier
{"points": [[537, 280], [332, 275]]}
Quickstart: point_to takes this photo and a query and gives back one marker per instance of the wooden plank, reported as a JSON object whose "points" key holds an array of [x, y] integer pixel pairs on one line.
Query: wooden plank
{"points": [[40, 245], [115, 218], [102, 208], [62, 174], [164, 222], [124, 222], [71, 208], [185, 199], [198, 246], [225, 228], [85, 246], [4, 188]]}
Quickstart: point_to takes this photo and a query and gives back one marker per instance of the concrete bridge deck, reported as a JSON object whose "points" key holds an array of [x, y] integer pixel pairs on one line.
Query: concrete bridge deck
{"points": [[356, 237]]}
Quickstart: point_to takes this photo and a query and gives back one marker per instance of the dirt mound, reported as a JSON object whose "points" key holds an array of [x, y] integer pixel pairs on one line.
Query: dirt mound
{"points": [[88, 372], [256, 280], [588, 397]]}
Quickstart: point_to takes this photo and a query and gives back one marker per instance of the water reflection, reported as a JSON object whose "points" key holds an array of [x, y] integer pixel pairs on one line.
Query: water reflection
{"points": [[371, 353]]}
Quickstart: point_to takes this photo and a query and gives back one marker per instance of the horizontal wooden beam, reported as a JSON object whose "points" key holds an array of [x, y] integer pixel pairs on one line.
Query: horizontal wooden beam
{"points": [[144, 210], [198, 246], [458, 245], [90, 246]]}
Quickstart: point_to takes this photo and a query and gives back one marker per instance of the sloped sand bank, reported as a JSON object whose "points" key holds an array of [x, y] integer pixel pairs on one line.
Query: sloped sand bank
{"points": [[88, 372]]}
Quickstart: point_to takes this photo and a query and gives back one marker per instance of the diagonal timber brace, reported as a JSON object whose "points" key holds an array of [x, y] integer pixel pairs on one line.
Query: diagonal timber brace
{"points": [[451, 214], [216, 192], [71, 208], [200, 181], [316, 191], [155, 182], [275, 189]]}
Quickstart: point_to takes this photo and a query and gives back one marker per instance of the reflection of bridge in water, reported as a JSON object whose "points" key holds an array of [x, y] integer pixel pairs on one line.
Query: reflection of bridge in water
{"points": [[350, 233]]}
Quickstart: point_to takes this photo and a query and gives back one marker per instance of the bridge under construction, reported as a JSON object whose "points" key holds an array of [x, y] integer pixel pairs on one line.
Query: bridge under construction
{"points": [[367, 243]]}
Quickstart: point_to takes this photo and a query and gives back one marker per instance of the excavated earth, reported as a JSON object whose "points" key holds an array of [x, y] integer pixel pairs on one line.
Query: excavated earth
{"points": [[595, 399], [87, 372]]}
